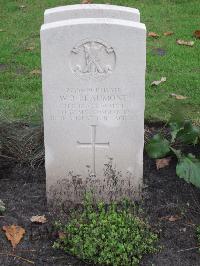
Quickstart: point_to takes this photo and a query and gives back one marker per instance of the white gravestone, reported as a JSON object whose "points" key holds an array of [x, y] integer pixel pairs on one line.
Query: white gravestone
{"points": [[91, 11], [93, 73]]}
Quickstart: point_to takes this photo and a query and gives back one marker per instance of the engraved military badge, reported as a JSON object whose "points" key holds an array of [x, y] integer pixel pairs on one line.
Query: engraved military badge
{"points": [[92, 59]]}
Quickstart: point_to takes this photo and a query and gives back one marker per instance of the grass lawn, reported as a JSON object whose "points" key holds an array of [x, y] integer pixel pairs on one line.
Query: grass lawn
{"points": [[20, 90]]}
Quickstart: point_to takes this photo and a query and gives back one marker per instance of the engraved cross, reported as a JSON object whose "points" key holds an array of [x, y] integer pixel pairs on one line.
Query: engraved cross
{"points": [[93, 144]]}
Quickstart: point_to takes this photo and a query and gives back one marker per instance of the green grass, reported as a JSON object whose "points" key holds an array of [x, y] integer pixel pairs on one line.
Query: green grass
{"points": [[20, 92]]}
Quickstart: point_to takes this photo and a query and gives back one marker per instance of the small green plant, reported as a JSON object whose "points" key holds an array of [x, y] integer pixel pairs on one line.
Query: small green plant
{"points": [[106, 235], [182, 132]]}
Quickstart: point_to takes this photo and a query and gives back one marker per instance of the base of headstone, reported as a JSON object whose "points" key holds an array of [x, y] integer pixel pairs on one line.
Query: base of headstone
{"points": [[72, 190]]}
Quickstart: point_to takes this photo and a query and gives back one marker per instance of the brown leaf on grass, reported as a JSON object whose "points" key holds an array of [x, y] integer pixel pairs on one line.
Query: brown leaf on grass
{"points": [[40, 219], [178, 97], [187, 43], [14, 233], [197, 34], [35, 72], [153, 34], [31, 48], [168, 33], [86, 1], [161, 163], [157, 82]]}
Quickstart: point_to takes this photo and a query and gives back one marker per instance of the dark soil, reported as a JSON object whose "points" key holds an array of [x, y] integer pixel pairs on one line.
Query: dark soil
{"points": [[165, 195]]}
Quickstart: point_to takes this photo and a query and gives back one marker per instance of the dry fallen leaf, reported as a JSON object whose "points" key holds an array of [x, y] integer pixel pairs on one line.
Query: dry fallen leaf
{"points": [[86, 1], [35, 72], [168, 33], [157, 82], [197, 34], [178, 97], [153, 34], [14, 233], [174, 218], [161, 163], [171, 218], [187, 43], [38, 219], [31, 48]]}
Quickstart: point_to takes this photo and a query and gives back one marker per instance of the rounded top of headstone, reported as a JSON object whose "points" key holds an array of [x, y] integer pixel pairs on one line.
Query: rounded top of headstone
{"points": [[90, 21], [91, 6], [91, 11]]}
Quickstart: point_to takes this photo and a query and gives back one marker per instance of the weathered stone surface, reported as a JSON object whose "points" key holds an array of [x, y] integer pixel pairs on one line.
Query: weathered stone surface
{"points": [[91, 11], [93, 73]]}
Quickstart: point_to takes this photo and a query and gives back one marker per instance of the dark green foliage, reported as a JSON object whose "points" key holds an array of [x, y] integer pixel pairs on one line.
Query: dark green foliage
{"points": [[157, 147], [188, 167], [183, 132], [107, 235]]}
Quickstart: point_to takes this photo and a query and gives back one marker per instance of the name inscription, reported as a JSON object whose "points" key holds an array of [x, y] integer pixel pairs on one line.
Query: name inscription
{"points": [[99, 104]]}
